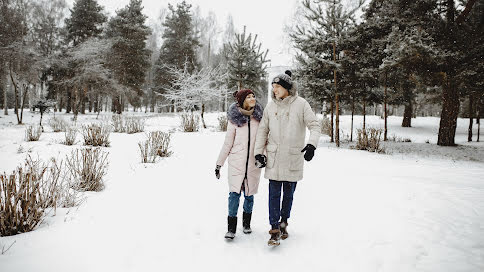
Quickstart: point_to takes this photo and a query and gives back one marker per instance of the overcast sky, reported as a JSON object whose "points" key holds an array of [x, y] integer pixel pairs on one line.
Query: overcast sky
{"points": [[263, 17]]}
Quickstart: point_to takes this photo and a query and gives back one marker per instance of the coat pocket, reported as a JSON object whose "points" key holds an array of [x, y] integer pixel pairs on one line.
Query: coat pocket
{"points": [[271, 155], [297, 159]]}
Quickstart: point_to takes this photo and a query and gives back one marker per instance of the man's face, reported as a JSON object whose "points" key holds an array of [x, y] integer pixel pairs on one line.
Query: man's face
{"points": [[279, 91]]}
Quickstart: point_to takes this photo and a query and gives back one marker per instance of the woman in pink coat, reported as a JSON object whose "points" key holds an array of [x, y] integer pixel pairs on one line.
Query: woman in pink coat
{"points": [[243, 176]]}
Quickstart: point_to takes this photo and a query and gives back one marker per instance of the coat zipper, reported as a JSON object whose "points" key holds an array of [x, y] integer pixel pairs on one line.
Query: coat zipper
{"points": [[247, 162]]}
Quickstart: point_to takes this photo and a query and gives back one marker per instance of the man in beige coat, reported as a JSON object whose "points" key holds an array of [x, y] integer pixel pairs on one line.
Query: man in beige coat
{"points": [[282, 133]]}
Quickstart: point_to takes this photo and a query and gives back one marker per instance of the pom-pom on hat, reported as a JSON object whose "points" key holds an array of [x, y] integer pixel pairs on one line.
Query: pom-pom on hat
{"points": [[284, 80], [241, 95]]}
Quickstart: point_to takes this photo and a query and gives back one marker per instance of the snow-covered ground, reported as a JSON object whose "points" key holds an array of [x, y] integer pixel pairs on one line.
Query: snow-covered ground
{"points": [[410, 210]]}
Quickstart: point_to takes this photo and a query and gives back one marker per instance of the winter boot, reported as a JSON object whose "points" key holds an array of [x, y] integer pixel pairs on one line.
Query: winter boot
{"points": [[246, 222], [232, 227], [283, 227], [275, 237]]}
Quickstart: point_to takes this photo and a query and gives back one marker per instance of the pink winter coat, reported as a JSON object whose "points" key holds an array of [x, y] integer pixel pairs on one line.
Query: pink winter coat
{"points": [[239, 148]]}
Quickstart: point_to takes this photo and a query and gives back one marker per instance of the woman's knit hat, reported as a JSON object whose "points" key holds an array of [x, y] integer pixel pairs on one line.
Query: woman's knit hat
{"points": [[284, 80], [241, 95]]}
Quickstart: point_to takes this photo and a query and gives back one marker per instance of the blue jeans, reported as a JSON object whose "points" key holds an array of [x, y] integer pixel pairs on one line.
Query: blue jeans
{"points": [[275, 211], [234, 203]]}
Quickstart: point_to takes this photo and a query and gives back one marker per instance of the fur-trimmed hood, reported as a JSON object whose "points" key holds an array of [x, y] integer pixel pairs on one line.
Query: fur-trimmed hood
{"points": [[237, 118]]}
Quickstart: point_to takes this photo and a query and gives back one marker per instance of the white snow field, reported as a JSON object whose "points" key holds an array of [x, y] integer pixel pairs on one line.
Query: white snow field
{"points": [[418, 208]]}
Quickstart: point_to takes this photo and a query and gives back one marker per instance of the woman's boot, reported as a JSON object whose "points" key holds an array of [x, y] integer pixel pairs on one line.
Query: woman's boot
{"points": [[232, 227], [246, 222]]}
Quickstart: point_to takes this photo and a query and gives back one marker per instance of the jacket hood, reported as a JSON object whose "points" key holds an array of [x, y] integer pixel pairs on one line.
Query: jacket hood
{"points": [[237, 118]]}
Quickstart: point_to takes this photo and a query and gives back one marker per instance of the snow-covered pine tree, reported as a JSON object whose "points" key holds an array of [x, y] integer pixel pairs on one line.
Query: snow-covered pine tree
{"points": [[86, 21], [179, 46], [129, 57], [328, 22], [246, 63]]}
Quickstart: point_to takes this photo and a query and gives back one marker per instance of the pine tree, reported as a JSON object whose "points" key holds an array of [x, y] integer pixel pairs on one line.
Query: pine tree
{"points": [[246, 63], [86, 21], [179, 46], [130, 57]]}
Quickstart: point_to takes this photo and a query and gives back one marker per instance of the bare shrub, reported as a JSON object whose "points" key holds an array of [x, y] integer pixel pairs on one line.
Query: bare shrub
{"points": [[86, 168], [96, 135], [156, 145], [369, 139], [70, 135], [325, 124], [134, 125], [58, 124], [397, 139], [118, 123], [222, 122], [32, 133], [26, 194], [190, 122]]}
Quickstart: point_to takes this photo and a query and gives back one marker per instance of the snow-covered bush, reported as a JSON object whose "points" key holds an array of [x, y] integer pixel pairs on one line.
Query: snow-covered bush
{"points": [[32, 133], [134, 125], [156, 145], [26, 193], [190, 122], [70, 135], [325, 125], [118, 123], [96, 134], [222, 122], [369, 139], [86, 168], [58, 124]]}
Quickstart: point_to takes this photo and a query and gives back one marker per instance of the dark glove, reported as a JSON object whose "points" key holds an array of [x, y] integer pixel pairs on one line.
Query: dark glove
{"points": [[260, 161], [309, 152], [217, 171]]}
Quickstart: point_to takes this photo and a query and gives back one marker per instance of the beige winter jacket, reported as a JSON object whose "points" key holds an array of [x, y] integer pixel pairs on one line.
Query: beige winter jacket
{"points": [[282, 133]]}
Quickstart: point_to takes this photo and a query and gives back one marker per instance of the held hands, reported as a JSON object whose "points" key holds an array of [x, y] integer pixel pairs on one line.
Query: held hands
{"points": [[217, 171], [260, 161], [309, 152]]}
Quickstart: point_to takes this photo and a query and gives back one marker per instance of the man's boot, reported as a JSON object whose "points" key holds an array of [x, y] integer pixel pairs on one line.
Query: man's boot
{"points": [[275, 237], [232, 227], [283, 227], [246, 222]]}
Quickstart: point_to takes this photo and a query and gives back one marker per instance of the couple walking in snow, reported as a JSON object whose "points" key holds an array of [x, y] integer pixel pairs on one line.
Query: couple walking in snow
{"points": [[273, 138]]}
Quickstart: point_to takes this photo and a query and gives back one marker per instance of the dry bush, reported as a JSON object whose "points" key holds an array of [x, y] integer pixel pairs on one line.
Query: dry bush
{"points": [[190, 122], [222, 122], [156, 145], [369, 139], [134, 125], [26, 194], [325, 124], [96, 135], [86, 169], [398, 139], [70, 135], [32, 133], [58, 124], [118, 123]]}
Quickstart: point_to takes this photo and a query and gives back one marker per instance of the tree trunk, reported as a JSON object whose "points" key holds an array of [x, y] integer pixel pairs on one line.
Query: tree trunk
{"points": [[203, 120], [337, 121], [407, 115], [16, 92], [385, 110], [5, 88], [478, 119], [471, 118], [69, 101], [364, 115], [332, 122], [449, 113], [336, 97], [352, 115]]}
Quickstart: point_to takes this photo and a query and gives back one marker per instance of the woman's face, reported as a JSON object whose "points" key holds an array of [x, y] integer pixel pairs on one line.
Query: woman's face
{"points": [[249, 101], [279, 91]]}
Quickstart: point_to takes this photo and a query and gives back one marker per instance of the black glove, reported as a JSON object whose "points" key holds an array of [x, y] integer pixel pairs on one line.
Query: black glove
{"points": [[217, 171], [260, 161], [309, 152]]}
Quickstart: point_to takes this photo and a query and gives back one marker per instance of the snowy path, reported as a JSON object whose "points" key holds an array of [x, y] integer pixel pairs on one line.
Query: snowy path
{"points": [[354, 211]]}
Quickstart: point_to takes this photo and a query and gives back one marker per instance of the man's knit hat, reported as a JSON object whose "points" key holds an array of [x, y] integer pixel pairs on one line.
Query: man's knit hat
{"points": [[241, 95], [284, 80]]}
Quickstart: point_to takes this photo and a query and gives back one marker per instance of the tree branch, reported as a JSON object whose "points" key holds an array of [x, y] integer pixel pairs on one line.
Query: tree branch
{"points": [[466, 11]]}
